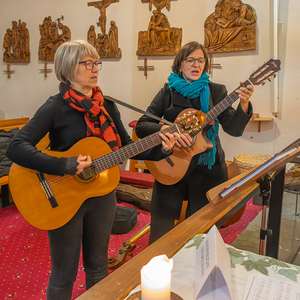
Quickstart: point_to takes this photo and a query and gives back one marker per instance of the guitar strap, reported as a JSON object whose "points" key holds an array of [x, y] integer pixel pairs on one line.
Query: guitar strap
{"points": [[211, 105], [138, 110]]}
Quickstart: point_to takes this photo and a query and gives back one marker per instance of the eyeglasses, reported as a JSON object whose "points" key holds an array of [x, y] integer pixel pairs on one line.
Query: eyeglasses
{"points": [[191, 61], [89, 64]]}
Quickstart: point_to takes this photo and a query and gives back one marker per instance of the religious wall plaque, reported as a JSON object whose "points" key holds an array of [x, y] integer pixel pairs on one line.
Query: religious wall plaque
{"points": [[106, 44], [53, 34], [16, 43], [231, 27], [160, 38]]}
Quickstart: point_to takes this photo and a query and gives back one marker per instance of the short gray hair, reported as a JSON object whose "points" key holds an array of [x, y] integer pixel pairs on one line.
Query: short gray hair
{"points": [[67, 57]]}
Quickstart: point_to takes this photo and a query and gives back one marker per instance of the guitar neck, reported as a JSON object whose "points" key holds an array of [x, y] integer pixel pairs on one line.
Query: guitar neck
{"points": [[118, 156], [222, 105]]}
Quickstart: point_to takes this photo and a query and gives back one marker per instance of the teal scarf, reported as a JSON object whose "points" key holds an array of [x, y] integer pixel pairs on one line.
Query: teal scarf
{"points": [[192, 90]]}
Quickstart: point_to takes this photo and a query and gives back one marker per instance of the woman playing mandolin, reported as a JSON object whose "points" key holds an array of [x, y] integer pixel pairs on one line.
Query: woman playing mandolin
{"points": [[77, 111], [189, 87]]}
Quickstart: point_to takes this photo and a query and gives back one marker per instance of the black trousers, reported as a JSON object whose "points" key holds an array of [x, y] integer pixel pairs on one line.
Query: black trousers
{"points": [[90, 228], [167, 200]]}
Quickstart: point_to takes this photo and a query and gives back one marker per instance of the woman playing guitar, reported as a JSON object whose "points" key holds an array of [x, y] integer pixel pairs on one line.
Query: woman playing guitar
{"points": [[189, 87], [76, 112]]}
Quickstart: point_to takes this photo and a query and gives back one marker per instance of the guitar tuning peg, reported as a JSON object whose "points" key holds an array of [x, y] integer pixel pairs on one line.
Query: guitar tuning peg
{"points": [[269, 79], [263, 83], [274, 75]]}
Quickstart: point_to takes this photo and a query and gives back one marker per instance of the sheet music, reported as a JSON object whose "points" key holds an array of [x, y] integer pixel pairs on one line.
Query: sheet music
{"points": [[263, 287]]}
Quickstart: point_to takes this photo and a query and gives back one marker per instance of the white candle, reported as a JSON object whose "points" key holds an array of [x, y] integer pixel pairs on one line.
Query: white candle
{"points": [[156, 279]]}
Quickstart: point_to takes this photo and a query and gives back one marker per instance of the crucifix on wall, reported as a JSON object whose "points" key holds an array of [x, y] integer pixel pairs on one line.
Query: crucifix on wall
{"points": [[212, 65], [102, 5], [145, 67], [106, 44]]}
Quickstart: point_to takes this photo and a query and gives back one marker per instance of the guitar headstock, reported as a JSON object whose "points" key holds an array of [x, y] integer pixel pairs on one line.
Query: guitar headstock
{"points": [[269, 69], [190, 120]]}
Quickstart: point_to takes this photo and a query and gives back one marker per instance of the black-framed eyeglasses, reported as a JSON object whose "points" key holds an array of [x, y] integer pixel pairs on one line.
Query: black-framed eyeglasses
{"points": [[191, 61], [89, 64]]}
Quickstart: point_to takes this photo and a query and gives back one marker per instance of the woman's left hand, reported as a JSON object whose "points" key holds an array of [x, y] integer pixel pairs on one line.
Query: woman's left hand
{"points": [[244, 94]]}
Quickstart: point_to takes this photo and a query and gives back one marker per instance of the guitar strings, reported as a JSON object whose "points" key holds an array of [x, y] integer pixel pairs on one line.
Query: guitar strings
{"points": [[108, 160]]}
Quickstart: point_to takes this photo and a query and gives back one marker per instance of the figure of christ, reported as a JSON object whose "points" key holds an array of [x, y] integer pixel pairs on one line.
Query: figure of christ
{"points": [[102, 5]]}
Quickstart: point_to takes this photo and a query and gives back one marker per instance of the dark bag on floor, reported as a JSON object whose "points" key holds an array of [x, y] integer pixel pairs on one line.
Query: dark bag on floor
{"points": [[125, 219]]}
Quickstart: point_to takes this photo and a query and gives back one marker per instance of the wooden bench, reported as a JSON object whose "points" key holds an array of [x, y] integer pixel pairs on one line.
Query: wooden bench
{"points": [[7, 125]]}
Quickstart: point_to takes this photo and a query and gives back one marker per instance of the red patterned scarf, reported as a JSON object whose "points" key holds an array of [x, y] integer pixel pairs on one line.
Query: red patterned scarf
{"points": [[98, 121]]}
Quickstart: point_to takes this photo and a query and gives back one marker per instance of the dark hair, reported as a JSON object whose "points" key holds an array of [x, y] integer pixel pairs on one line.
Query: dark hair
{"points": [[184, 52]]}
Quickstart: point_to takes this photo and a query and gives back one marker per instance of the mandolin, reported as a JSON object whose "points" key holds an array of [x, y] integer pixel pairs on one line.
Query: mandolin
{"points": [[170, 171], [48, 201]]}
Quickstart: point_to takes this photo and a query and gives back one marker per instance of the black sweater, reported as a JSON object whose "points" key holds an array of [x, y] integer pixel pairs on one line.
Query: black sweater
{"points": [[66, 126]]}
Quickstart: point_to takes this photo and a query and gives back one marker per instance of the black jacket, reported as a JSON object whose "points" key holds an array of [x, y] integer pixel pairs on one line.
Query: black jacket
{"points": [[66, 126], [169, 104]]}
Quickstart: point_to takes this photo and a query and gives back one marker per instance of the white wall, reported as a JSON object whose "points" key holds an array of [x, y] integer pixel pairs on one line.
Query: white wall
{"points": [[27, 89]]}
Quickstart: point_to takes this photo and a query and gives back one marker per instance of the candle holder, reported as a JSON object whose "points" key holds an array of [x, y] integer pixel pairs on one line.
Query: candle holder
{"points": [[138, 296]]}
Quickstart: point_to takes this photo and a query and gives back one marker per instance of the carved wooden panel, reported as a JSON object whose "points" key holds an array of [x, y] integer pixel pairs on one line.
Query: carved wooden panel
{"points": [[16, 43], [106, 44], [160, 38], [53, 34], [159, 4], [231, 27]]}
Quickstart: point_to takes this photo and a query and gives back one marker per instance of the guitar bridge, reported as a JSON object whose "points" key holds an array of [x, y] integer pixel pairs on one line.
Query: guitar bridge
{"points": [[46, 188]]}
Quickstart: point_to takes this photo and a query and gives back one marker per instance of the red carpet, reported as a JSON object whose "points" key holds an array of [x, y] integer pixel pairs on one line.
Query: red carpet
{"points": [[230, 233], [25, 261]]}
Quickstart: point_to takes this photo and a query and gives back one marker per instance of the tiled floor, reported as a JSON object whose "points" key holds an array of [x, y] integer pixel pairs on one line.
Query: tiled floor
{"points": [[289, 245]]}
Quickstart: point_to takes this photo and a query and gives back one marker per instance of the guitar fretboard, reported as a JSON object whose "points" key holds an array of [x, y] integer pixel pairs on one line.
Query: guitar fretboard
{"points": [[221, 106], [113, 158]]}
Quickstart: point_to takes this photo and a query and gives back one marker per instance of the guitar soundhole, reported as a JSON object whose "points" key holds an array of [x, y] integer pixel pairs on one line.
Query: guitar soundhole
{"points": [[88, 175]]}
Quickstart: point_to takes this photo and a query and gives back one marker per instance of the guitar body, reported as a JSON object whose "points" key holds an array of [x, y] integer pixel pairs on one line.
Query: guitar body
{"points": [[69, 191], [169, 174]]}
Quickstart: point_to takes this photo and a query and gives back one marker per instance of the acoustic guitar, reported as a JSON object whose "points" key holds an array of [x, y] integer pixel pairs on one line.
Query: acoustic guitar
{"points": [[48, 201], [170, 171]]}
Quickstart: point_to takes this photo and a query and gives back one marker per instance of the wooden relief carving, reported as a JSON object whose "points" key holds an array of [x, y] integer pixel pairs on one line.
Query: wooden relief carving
{"points": [[53, 34], [106, 44], [232, 27], [159, 4], [16, 43], [160, 38]]}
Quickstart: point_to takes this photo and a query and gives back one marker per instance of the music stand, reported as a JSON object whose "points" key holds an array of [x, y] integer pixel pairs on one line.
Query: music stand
{"points": [[272, 195]]}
